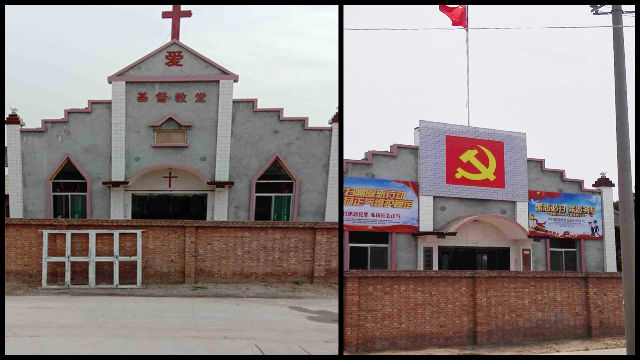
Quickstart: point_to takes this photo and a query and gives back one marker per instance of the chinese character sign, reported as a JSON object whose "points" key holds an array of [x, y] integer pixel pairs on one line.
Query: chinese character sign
{"points": [[380, 205], [174, 58], [562, 215], [178, 97]]}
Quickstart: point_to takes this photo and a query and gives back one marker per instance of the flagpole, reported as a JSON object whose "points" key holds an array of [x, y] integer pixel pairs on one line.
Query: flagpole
{"points": [[467, 36]]}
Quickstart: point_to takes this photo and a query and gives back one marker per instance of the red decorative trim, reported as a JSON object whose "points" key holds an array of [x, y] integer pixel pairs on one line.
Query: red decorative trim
{"points": [[335, 118], [282, 118], [147, 169], [368, 156], [183, 78], [197, 54], [603, 181], [170, 145], [172, 117], [55, 172], [13, 119], [115, 183], [264, 168], [66, 115], [564, 178]]}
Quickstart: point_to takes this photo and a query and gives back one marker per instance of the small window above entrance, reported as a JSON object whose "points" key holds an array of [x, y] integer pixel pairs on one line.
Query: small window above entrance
{"points": [[170, 132]]}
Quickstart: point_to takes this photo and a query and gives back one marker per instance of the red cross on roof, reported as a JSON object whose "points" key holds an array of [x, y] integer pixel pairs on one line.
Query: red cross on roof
{"points": [[175, 16]]}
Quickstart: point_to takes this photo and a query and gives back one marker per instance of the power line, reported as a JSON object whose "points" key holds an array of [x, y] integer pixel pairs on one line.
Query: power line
{"points": [[487, 28]]}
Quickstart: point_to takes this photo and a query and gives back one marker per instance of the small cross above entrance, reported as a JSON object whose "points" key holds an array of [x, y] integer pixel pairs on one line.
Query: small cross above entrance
{"points": [[175, 16], [170, 177]]}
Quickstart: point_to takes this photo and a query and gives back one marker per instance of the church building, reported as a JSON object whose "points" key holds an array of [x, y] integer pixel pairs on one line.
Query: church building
{"points": [[173, 143], [468, 198]]}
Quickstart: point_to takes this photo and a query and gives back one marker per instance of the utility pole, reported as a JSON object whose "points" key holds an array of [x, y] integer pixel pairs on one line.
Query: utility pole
{"points": [[625, 191]]}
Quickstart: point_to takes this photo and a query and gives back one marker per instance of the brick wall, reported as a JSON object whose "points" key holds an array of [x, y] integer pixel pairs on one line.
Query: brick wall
{"points": [[418, 309], [182, 251]]}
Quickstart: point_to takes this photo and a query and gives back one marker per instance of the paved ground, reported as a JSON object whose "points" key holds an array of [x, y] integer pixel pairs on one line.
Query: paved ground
{"points": [[248, 290], [612, 345], [621, 351], [64, 324]]}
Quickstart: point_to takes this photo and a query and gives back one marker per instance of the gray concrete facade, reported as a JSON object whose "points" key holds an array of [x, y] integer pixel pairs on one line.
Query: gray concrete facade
{"points": [[539, 255], [403, 166], [409, 164], [201, 136], [406, 255], [86, 138], [256, 136]]}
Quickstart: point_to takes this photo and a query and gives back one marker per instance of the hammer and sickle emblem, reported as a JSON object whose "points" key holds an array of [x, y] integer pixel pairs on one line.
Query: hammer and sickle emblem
{"points": [[486, 172]]}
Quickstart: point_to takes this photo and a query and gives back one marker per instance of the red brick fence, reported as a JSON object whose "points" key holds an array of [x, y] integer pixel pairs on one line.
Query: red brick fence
{"points": [[419, 309], [185, 251]]}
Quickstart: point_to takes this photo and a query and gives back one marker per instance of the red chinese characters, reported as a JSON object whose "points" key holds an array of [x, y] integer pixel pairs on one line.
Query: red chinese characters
{"points": [[142, 97], [165, 97], [161, 97], [174, 58]]}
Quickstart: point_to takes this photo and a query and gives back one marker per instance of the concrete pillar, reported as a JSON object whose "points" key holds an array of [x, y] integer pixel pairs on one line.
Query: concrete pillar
{"points": [[221, 204], [13, 123], [210, 204], [117, 203], [118, 122], [607, 228], [223, 148], [522, 214], [333, 193], [425, 213]]}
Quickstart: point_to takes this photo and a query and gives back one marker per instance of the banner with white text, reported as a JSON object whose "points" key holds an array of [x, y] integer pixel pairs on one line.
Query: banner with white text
{"points": [[380, 205], [562, 215]]}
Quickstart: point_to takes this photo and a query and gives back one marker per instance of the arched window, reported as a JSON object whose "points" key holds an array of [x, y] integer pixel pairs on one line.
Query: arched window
{"points": [[274, 193], [68, 192]]}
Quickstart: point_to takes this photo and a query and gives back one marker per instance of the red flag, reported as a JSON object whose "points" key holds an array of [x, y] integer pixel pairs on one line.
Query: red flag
{"points": [[458, 14]]}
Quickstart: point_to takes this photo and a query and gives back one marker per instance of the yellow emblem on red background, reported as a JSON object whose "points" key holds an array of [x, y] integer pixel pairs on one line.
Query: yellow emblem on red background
{"points": [[486, 172], [474, 162]]}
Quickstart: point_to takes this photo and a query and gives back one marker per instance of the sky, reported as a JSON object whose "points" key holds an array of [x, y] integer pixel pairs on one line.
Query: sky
{"points": [[555, 85], [59, 57]]}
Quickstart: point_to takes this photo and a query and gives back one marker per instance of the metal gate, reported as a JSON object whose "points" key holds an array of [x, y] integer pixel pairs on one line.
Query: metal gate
{"points": [[91, 259]]}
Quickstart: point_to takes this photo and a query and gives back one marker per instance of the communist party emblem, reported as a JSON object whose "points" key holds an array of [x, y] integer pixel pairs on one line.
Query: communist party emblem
{"points": [[474, 162]]}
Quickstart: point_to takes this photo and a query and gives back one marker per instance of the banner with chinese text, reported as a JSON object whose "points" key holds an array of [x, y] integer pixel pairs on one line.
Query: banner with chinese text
{"points": [[562, 215], [380, 205]]}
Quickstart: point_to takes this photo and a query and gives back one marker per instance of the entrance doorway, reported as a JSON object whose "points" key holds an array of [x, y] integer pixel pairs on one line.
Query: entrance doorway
{"points": [[164, 206], [473, 258]]}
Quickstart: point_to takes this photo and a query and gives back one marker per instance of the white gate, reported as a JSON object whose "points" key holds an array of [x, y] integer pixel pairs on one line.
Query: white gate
{"points": [[92, 259]]}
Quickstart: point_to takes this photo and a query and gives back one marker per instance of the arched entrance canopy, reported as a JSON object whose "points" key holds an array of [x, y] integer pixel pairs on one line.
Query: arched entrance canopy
{"points": [[511, 229]]}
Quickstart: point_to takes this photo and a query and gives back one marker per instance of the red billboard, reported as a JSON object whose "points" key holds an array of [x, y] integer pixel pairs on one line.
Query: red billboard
{"points": [[474, 162]]}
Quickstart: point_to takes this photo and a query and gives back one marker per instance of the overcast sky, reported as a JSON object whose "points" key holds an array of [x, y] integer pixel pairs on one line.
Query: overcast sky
{"points": [[59, 57], [556, 85]]}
